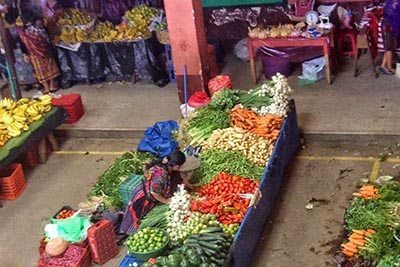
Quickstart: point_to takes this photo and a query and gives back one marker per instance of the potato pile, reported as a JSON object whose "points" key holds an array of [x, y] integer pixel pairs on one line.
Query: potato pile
{"points": [[256, 148]]}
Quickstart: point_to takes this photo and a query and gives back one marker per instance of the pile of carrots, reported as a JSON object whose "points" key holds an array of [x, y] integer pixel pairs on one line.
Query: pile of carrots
{"points": [[267, 126], [367, 192], [357, 241], [222, 198]]}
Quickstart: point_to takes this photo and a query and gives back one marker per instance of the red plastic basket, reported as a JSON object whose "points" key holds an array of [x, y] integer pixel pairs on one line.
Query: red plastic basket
{"points": [[30, 159], [43, 243], [85, 261], [72, 104], [102, 241], [12, 182]]}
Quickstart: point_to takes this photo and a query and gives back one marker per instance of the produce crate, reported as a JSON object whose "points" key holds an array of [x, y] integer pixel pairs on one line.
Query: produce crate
{"points": [[72, 104], [30, 159], [63, 208], [12, 182], [84, 261], [129, 259], [127, 187], [43, 243], [102, 241]]}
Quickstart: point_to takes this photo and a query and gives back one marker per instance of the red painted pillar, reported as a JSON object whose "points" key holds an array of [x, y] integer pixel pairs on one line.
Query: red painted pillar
{"points": [[188, 42]]}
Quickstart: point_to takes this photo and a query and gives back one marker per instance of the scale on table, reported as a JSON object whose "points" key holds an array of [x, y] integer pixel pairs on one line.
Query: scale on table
{"points": [[325, 12], [311, 19]]}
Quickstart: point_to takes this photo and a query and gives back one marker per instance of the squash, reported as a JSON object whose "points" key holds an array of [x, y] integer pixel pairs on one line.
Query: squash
{"points": [[56, 246]]}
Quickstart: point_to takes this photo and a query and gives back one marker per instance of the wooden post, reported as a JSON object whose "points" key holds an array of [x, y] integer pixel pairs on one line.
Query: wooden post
{"points": [[14, 88], [188, 43]]}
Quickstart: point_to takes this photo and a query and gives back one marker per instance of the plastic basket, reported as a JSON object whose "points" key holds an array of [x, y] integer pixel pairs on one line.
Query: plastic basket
{"points": [[102, 241], [30, 159], [72, 104], [129, 259], [63, 208], [12, 182], [43, 243], [151, 254], [127, 187]]}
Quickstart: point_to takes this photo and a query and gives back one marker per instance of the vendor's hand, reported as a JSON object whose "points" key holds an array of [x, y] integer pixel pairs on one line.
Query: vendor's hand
{"points": [[26, 59]]}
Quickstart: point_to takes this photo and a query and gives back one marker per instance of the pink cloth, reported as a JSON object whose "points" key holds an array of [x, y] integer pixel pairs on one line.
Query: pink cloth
{"points": [[301, 10]]}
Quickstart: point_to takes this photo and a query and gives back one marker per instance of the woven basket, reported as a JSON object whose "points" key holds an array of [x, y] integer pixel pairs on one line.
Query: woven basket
{"points": [[163, 37]]}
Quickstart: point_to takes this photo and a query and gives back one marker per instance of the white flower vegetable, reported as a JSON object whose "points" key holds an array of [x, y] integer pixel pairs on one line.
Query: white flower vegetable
{"points": [[179, 213], [281, 93]]}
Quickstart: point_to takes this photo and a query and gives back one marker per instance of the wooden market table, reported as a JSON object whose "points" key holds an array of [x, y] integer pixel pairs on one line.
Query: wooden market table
{"points": [[325, 42]]}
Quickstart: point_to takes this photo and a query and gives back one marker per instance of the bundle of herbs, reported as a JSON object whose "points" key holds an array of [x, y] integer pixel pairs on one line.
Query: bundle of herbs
{"points": [[108, 184], [215, 161], [204, 121]]}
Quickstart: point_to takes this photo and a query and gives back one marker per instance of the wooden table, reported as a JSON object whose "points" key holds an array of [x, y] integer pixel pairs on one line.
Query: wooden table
{"points": [[325, 42]]}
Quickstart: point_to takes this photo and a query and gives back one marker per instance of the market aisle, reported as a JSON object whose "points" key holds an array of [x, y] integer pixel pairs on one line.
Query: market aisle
{"points": [[64, 180], [327, 172], [325, 175]]}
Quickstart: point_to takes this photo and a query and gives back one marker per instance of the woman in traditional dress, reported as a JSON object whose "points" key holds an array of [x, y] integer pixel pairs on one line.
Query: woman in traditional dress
{"points": [[158, 187], [39, 52], [391, 35]]}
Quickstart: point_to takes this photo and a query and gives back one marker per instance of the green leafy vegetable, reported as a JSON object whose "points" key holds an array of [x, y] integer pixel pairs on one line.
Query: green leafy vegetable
{"points": [[108, 183], [389, 260], [205, 121], [156, 218], [215, 161], [224, 99], [390, 191], [379, 244], [255, 98]]}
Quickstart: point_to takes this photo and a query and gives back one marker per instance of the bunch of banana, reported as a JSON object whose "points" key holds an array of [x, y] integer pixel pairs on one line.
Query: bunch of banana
{"points": [[140, 18], [74, 17], [70, 35], [15, 117]]}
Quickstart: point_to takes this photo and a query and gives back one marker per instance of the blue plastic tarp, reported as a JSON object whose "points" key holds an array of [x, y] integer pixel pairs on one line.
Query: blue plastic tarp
{"points": [[251, 229], [158, 139]]}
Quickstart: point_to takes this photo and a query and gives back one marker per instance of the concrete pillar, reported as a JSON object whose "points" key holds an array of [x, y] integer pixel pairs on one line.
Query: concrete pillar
{"points": [[188, 43]]}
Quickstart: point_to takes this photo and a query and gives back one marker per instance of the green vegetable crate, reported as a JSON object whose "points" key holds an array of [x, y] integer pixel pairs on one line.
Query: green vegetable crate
{"points": [[127, 187]]}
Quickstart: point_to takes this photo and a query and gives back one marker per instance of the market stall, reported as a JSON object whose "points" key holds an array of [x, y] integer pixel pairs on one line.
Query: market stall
{"points": [[243, 141], [117, 61], [371, 228], [92, 50]]}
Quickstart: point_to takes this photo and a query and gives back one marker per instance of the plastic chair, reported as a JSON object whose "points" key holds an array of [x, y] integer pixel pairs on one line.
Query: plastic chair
{"points": [[350, 36]]}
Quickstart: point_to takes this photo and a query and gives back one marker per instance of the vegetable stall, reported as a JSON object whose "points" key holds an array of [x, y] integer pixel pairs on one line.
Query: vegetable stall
{"points": [[247, 138], [371, 227]]}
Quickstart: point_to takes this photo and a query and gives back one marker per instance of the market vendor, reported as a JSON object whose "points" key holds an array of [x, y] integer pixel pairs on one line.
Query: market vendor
{"points": [[39, 52], [161, 180]]}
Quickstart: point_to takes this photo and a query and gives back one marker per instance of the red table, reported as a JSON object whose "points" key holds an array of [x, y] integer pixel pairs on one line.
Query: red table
{"points": [[325, 42]]}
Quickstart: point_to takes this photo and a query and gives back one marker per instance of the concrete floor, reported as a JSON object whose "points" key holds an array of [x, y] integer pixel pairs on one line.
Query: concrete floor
{"points": [[361, 105], [294, 236]]}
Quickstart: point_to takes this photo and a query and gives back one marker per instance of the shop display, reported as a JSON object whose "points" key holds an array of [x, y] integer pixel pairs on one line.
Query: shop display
{"points": [[280, 31], [73, 17], [371, 225], [77, 26], [16, 116], [198, 227]]}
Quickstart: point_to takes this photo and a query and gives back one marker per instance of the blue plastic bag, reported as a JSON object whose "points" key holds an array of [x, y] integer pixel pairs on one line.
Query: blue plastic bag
{"points": [[158, 139]]}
